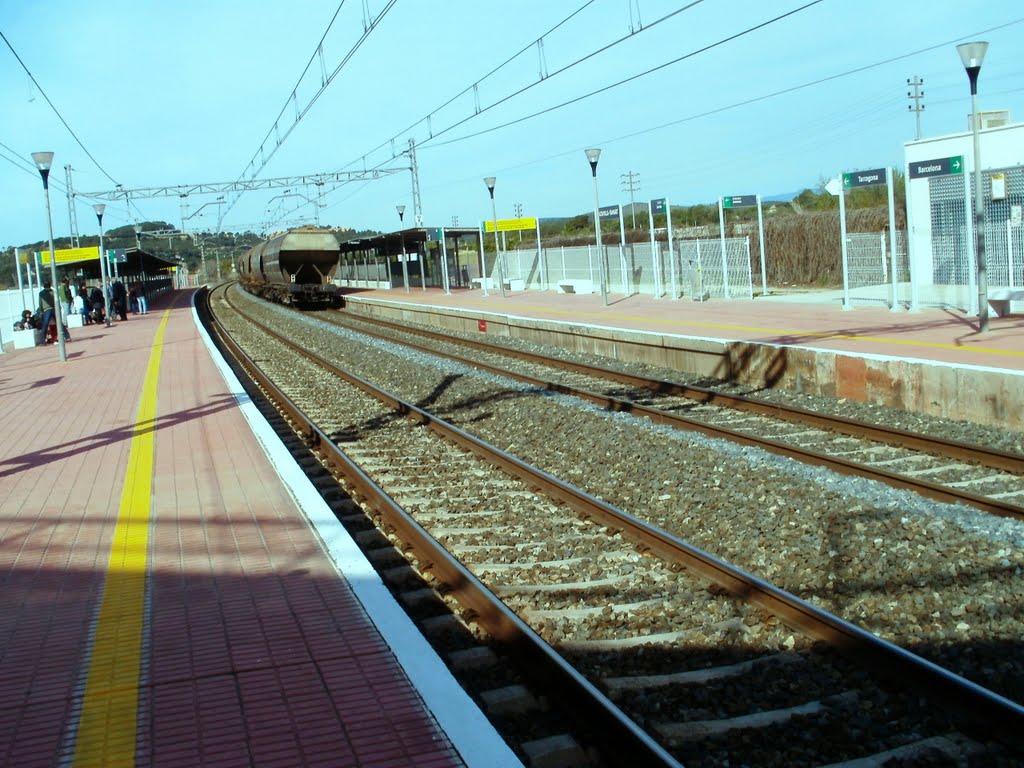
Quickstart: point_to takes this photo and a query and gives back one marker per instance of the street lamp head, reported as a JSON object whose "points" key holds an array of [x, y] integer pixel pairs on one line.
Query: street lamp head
{"points": [[972, 54], [99, 208], [593, 155], [43, 161], [401, 212], [138, 228], [489, 181]]}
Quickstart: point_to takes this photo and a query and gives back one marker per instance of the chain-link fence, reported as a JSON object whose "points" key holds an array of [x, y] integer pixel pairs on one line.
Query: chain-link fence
{"points": [[705, 274], [869, 269]]}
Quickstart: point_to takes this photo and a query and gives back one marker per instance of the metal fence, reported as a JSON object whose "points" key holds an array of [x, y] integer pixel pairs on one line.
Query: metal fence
{"points": [[695, 272], [869, 269], [705, 273]]}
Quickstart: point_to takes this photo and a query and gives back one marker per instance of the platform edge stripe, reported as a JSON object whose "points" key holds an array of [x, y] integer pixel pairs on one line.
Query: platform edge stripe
{"points": [[106, 730], [470, 733]]}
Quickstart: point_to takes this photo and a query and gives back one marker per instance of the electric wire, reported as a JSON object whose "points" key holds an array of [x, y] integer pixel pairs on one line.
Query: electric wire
{"points": [[629, 79], [529, 86], [367, 31], [55, 110]]}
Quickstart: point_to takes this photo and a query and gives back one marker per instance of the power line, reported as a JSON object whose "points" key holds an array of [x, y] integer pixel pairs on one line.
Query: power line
{"points": [[630, 79], [55, 110], [369, 25]]}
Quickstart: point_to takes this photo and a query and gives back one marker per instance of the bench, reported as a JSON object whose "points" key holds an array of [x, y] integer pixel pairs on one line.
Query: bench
{"points": [[1000, 300], [483, 282], [575, 286], [515, 285]]}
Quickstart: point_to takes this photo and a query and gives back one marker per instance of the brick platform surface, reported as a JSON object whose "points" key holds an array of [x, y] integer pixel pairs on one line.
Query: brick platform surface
{"points": [[254, 651]]}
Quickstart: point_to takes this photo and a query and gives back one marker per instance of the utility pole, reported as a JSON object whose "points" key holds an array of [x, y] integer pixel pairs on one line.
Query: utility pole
{"points": [[519, 215], [417, 205], [917, 107], [72, 215], [455, 221], [631, 183]]}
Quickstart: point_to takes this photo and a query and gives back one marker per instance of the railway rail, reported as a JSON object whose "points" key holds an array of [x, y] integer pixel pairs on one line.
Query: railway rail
{"points": [[670, 632], [963, 473]]}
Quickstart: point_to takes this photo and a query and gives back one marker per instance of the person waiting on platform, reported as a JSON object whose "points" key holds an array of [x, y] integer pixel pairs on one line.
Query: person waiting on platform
{"points": [[140, 297], [78, 305], [96, 302], [119, 299], [46, 308], [28, 321]]}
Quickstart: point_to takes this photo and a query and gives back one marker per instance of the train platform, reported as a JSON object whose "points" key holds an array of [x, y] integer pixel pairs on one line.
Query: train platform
{"points": [[175, 592], [931, 361]]}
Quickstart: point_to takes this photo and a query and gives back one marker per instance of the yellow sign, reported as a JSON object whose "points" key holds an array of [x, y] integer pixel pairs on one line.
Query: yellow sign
{"points": [[510, 225], [71, 255]]}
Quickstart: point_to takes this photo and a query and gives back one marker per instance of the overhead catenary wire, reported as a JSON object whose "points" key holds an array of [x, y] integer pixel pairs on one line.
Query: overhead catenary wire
{"points": [[755, 99], [368, 28], [632, 33], [618, 83], [55, 110]]}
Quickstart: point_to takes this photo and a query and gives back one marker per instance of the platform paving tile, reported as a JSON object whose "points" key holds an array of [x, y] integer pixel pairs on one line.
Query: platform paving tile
{"points": [[255, 647]]}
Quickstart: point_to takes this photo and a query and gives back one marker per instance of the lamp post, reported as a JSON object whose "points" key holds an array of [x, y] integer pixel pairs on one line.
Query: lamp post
{"points": [[489, 181], [592, 157], [43, 161], [405, 267], [104, 270], [972, 54]]}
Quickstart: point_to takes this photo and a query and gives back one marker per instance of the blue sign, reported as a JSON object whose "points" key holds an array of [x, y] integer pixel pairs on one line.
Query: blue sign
{"points": [[608, 212]]}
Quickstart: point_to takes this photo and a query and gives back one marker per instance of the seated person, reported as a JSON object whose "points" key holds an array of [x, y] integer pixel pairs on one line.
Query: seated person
{"points": [[26, 323]]}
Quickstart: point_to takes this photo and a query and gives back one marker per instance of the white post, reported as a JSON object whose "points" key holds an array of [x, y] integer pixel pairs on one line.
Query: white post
{"points": [[563, 262], [1009, 251], [590, 262], [760, 242], [700, 274], [671, 250], [842, 238], [892, 242], [972, 263], [31, 289], [725, 261], [622, 255], [881, 250], [483, 263], [444, 264], [21, 284], [541, 261], [655, 261]]}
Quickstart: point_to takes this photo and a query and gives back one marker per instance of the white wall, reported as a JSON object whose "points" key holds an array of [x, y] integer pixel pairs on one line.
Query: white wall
{"points": [[1001, 147]]}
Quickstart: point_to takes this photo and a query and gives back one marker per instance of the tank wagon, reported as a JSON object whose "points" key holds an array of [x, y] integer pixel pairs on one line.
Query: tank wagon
{"points": [[295, 268]]}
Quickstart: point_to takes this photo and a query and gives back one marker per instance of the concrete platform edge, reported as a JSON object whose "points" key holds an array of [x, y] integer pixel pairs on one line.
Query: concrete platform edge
{"points": [[980, 394], [457, 714]]}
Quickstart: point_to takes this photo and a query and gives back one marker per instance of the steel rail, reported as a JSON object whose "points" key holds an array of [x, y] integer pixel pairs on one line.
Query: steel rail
{"points": [[622, 740], [925, 488], [953, 449], [987, 711]]}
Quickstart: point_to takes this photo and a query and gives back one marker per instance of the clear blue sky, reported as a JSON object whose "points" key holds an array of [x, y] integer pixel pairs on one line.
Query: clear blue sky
{"points": [[165, 93]]}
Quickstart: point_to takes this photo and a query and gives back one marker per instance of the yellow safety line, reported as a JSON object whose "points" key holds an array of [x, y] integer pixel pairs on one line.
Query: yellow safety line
{"points": [[604, 320], [108, 722]]}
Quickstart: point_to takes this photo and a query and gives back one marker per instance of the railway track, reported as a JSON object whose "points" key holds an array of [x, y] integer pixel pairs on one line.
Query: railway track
{"points": [[700, 657], [945, 470]]}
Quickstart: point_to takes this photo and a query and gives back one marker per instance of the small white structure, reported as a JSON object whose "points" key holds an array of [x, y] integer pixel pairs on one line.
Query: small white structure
{"points": [[940, 214]]}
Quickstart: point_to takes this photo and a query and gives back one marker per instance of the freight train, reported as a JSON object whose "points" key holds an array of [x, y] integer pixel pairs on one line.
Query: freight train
{"points": [[295, 268]]}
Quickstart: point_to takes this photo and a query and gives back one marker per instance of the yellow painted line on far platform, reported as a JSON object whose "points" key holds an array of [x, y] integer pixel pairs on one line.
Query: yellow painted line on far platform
{"points": [[107, 727]]}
